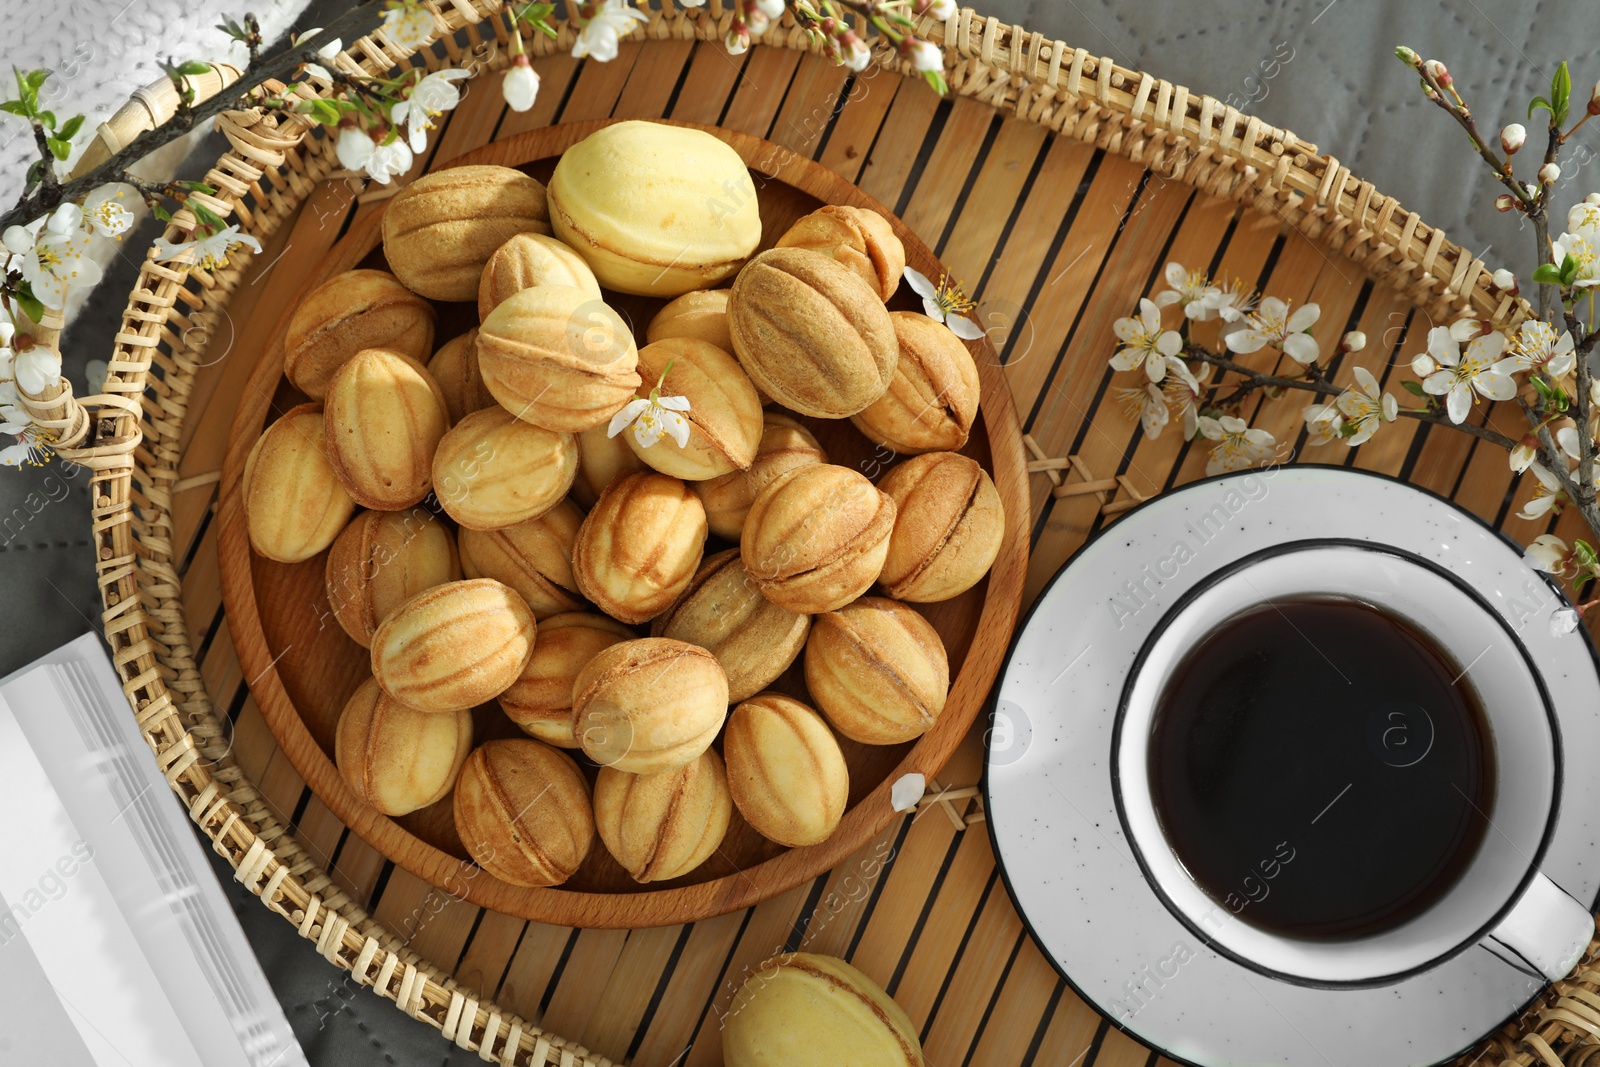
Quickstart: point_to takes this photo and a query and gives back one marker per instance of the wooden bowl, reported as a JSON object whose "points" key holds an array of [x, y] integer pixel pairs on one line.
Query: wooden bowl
{"points": [[303, 667]]}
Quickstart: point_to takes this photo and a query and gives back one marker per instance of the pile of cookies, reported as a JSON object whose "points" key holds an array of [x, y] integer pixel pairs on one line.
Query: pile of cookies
{"points": [[491, 537]]}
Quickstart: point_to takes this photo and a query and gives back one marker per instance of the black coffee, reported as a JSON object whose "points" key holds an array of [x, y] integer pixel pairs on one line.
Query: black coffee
{"points": [[1321, 768]]}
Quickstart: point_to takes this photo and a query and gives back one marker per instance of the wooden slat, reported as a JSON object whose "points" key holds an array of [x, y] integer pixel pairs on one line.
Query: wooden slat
{"points": [[587, 975], [649, 87], [860, 120], [693, 984], [621, 1005], [761, 89], [534, 962]]}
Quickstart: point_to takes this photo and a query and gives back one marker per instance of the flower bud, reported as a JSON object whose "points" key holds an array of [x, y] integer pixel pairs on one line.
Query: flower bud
{"points": [[1354, 341], [1549, 173], [1504, 202], [1423, 365], [1512, 137], [1406, 55], [1594, 99], [1533, 190], [1440, 74], [1592, 198], [925, 56], [1505, 281]]}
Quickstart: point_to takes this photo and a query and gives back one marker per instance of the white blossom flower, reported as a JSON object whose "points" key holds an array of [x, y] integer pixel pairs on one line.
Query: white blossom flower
{"points": [[1583, 248], [205, 253], [1148, 404], [600, 36], [653, 417], [408, 24], [1354, 341], [854, 54], [1324, 424], [105, 213], [1548, 496], [945, 303], [1234, 301], [737, 40], [1524, 453], [773, 9], [1550, 173], [1583, 218], [58, 260], [36, 369], [757, 21], [358, 151], [1192, 289], [1238, 446], [926, 56], [430, 97], [1365, 407], [1536, 347], [1145, 343], [327, 51], [1183, 388], [1504, 280], [1512, 137], [520, 86], [943, 10], [32, 446], [1273, 324], [1459, 376], [1551, 554]]}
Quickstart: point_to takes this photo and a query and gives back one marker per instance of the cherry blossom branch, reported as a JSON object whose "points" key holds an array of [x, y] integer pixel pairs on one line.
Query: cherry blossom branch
{"points": [[279, 67], [1253, 380]]}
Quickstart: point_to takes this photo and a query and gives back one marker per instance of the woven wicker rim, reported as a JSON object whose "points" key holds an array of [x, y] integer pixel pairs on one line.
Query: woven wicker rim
{"points": [[129, 435]]}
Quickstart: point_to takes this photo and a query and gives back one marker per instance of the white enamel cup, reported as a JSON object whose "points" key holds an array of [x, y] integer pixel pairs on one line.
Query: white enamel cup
{"points": [[1501, 900]]}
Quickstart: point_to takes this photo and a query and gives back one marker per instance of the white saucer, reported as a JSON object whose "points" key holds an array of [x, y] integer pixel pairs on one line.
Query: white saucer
{"points": [[1053, 818]]}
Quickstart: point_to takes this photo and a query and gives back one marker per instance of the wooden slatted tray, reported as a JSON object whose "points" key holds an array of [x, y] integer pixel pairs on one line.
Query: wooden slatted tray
{"points": [[1058, 234]]}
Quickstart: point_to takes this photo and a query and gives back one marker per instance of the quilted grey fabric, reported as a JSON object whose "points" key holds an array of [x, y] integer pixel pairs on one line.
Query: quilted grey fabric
{"points": [[1323, 69]]}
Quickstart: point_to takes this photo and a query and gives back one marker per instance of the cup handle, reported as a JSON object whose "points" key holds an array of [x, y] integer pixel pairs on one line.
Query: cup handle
{"points": [[1546, 930]]}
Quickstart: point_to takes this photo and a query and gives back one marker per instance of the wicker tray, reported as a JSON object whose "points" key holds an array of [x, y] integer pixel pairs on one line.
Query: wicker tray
{"points": [[1055, 183]]}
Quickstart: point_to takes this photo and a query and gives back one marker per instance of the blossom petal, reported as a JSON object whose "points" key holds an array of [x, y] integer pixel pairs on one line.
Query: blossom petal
{"points": [[1304, 317], [1442, 347], [630, 411], [677, 427], [1438, 383], [1301, 347], [1459, 403], [1366, 381], [15, 455], [1494, 386], [1127, 358], [1247, 340], [964, 327], [1126, 329], [1169, 343], [673, 403], [921, 284], [1175, 275]]}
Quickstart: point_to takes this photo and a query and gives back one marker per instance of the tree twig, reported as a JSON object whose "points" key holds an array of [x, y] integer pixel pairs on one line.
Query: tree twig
{"points": [[281, 67], [1254, 380]]}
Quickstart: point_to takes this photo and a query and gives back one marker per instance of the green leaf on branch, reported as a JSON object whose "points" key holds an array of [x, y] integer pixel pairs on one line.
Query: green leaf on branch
{"points": [[35, 175], [205, 216], [1537, 103], [1569, 270], [1547, 274], [1584, 555], [1560, 93], [71, 128], [14, 107], [36, 78], [31, 305], [1414, 388], [59, 148], [194, 67], [47, 119], [198, 187], [162, 213]]}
